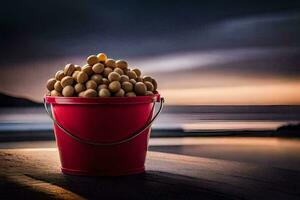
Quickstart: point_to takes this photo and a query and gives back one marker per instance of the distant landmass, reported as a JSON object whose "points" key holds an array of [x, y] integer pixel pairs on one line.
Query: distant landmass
{"points": [[9, 101], [290, 130]]}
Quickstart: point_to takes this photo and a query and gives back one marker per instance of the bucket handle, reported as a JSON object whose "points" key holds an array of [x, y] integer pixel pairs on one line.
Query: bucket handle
{"points": [[135, 134]]}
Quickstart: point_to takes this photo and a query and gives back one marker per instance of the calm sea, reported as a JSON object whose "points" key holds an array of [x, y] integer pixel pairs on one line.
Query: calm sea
{"points": [[185, 118]]}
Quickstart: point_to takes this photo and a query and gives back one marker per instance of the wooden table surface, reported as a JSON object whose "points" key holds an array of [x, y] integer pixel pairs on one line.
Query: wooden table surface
{"points": [[35, 174]]}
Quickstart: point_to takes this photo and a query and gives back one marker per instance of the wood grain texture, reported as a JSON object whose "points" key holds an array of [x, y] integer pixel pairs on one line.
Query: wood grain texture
{"points": [[168, 176]]}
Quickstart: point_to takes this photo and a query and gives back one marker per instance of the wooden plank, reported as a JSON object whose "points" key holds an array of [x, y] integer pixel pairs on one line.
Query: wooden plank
{"points": [[239, 179], [168, 176]]}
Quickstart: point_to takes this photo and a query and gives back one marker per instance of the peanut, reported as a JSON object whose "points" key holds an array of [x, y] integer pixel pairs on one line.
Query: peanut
{"points": [[114, 86], [92, 59], [50, 84], [68, 91]]}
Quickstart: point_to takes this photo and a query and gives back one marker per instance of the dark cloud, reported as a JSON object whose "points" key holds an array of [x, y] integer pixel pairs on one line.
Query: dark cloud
{"points": [[43, 29]]}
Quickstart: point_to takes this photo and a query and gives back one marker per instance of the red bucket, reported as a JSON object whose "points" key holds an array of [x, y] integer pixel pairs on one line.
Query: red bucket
{"points": [[102, 136]]}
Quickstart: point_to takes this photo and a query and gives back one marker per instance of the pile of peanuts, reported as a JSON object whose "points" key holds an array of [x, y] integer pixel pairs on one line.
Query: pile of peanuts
{"points": [[101, 76]]}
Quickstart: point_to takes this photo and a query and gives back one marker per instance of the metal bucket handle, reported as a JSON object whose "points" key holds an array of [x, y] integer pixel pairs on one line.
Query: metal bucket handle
{"points": [[135, 134]]}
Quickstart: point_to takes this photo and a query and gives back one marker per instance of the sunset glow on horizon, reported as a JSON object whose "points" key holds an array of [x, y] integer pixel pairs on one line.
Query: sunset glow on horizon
{"points": [[182, 87], [284, 94]]}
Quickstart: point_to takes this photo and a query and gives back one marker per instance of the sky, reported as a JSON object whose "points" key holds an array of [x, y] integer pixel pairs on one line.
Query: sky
{"points": [[212, 53]]}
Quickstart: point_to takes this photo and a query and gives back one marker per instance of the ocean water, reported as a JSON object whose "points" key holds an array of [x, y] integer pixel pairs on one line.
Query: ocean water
{"points": [[184, 118]]}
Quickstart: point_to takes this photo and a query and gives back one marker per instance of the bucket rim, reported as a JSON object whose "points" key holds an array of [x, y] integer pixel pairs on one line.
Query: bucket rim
{"points": [[102, 100]]}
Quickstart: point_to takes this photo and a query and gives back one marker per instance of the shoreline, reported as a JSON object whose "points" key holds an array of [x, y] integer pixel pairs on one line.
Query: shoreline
{"points": [[42, 135]]}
